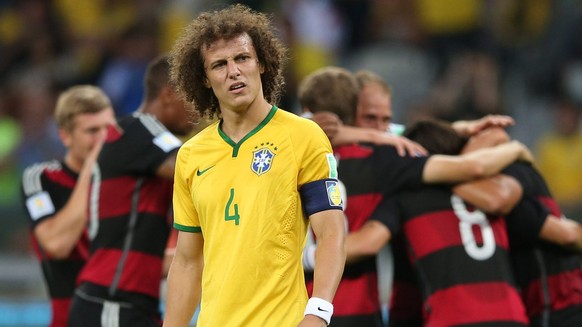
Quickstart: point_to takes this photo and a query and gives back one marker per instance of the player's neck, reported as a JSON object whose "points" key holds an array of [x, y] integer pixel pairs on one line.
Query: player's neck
{"points": [[72, 163], [153, 108], [237, 124]]}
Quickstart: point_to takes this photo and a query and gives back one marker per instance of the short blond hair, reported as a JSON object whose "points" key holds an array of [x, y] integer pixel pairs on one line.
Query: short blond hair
{"points": [[80, 99], [330, 88], [365, 77]]}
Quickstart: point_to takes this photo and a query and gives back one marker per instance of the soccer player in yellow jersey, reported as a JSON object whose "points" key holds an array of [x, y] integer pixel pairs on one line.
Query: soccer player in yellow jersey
{"points": [[247, 186]]}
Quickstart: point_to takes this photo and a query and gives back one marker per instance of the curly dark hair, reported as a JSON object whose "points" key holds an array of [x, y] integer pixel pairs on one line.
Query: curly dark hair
{"points": [[187, 63]]}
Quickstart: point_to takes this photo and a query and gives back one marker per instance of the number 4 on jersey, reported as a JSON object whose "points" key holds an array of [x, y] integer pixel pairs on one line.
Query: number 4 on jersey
{"points": [[227, 215]]}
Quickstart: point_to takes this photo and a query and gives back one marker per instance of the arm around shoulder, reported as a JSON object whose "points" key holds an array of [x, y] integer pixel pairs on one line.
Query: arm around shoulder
{"points": [[474, 165], [495, 195], [564, 232]]}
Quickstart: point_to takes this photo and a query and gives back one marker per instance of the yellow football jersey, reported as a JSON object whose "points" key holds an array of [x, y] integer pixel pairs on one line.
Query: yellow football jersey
{"points": [[244, 198]]}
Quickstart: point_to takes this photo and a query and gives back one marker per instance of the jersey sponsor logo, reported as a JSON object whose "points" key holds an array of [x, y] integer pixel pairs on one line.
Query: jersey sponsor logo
{"points": [[334, 195], [40, 205], [262, 161], [200, 172], [167, 141], [332, 164]]}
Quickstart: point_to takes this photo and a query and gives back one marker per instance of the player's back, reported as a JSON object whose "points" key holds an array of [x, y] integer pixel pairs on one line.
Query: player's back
{"points": [[549, 276], [460, 255]]}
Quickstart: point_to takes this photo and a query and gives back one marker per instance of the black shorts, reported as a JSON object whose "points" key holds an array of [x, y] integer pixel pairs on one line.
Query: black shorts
{"points": [[367, 320], [87, 311]]}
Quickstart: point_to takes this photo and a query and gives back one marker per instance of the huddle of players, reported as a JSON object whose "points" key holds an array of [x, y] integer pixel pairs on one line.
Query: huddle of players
{"points": [[495, 251]]}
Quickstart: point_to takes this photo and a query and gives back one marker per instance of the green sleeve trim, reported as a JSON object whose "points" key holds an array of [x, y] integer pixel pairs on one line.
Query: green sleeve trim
{"points": [[190, 229]]}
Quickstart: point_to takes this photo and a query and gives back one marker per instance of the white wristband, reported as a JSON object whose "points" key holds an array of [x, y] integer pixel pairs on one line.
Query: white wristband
{"points": [[309, 257], [319, 307]]}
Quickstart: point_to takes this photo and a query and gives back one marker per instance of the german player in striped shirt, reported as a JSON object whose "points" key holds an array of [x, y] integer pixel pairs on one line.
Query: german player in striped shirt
{"points": [[56, 193]]}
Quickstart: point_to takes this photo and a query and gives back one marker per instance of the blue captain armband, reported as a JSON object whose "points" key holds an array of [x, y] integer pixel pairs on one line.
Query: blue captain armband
{"points": [[324, 194]]}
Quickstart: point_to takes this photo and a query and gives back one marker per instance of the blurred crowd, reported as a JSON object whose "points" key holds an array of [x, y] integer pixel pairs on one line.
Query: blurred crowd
{"points": [[452, 59]]}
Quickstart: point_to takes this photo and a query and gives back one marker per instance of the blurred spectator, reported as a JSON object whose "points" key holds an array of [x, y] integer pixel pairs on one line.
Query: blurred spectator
{"points": [[123, 73], [10, 137], [90, 27], [13, 235], [31, 39], [535, 38], [318, 34], [468, 89], [559, 154], [393, 20], [450, 27], [356, 17], [35, 98], [572, 80], [29, 102]]}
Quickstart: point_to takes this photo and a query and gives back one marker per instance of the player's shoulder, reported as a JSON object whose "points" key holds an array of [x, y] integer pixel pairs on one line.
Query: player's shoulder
{"points": [[31, 177], [40, 167], [210, 132], [208, 136], [287, 116], [144, 120], [295, 123]]}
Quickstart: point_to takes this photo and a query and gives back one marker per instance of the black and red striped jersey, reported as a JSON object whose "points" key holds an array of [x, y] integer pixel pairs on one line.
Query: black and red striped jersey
{"points": [[550, 277], [46, 188], [460, 257], [369, 173], [129, 208], [405, 306]]}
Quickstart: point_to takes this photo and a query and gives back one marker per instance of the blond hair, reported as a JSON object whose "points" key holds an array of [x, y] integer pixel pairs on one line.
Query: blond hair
{"points": [[332, 89], [365, 77], [81, 99]]}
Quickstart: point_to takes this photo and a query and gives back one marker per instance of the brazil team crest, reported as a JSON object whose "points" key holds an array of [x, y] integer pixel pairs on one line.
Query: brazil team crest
{"points": [[262, 161]]}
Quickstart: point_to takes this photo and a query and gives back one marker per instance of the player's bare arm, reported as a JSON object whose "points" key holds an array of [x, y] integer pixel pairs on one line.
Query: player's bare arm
{"points": [[475, 165], [496, 195], [59, 234], [367, 241], [330, 255], [184, 279], [166, 169], [562, 231], [472, 127]]}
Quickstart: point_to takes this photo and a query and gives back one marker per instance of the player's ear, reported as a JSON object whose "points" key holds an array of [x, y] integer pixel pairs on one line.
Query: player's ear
{"points": [[207, 83], [166, 94], [65, 137]]}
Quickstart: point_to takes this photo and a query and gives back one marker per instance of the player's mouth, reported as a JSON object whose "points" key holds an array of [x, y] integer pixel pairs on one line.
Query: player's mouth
{"points": [[236, 86]]}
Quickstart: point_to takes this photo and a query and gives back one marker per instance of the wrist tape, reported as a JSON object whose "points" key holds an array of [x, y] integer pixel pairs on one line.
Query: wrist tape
{"points": [[319, 307]]}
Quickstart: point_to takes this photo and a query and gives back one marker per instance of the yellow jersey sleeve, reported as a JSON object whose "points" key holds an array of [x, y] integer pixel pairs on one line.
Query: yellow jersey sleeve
{"points": [[185, 215], [317, 161]]}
